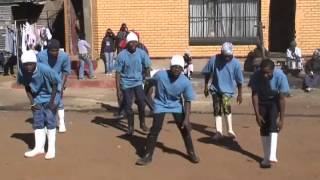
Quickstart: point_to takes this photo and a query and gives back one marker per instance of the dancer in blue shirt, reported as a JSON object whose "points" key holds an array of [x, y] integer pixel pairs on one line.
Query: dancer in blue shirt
{"points": [[225, 71], [173, 94], [269, 89], [60, 62], [43, 87]]}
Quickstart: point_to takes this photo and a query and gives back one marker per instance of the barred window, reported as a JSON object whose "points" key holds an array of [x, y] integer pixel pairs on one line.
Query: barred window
{"points": [[216, 21]]}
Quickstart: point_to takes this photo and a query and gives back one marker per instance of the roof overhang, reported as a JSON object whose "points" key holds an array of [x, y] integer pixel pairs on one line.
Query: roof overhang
{"points": [[16, 2]]}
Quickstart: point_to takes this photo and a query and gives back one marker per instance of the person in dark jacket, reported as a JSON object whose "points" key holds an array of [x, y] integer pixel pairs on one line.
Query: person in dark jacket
{"points": [[312, 69], [107, 52]]}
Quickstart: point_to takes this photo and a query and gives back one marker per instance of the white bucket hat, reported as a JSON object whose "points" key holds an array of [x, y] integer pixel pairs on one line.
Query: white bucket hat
{"points": [[132, 37], [29, 57], [177, 60]]}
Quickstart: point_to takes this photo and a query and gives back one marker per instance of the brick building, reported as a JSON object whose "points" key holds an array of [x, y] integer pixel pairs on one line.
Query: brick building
{"points": [[171, 26]]}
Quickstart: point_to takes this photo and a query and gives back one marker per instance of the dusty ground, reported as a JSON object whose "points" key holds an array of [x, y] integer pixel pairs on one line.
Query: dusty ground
{"points": [[95, 148]]}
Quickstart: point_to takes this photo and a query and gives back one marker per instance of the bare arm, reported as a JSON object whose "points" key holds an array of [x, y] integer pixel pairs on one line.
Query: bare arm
{"points": [[64, 81], [282, 105], [52, 106], [206, 81], [147, 72], [239, 98], [255, 103], [29, 94], [186, 122]]}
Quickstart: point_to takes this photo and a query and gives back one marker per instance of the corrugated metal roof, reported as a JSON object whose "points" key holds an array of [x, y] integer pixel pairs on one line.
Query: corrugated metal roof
{"points": [[11, 2]]}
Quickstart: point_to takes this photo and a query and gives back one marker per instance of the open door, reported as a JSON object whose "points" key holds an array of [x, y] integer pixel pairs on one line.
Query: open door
{"points": [[282, 24]]}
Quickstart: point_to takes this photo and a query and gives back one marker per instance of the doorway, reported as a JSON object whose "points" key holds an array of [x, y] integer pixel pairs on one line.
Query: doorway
{"points": [[282, 24]]}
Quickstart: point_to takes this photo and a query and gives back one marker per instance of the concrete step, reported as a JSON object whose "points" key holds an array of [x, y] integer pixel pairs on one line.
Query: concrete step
{"points": [[102, 81]]}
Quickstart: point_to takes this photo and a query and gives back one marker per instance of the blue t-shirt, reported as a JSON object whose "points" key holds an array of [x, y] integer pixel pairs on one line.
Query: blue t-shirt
{"points": [[269, 89], [62, 65], [41, 83], [224, 75], [130, 66], [168, 95]]}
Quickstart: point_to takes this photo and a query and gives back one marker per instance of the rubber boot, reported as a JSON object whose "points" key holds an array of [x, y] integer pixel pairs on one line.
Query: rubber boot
{"points": [[130, 117], [273, 147], [190, 150], [51, 153], [218, 134], [231, 134], [265, 163], [62, 126], [150, 146], [40, 140]]}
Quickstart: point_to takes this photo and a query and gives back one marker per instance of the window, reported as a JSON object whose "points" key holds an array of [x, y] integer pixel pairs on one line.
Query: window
{"points": [[217, 21]]}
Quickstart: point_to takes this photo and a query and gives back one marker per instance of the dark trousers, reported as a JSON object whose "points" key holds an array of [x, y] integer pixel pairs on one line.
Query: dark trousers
{"points": [[157, 126], [128, 97], [269, 110], [147, 100], [312, 81], [9, 65]]}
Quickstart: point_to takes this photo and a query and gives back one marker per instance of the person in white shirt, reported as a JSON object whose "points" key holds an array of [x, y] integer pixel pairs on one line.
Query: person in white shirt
{"points": [[84, 57], [294, 56]]}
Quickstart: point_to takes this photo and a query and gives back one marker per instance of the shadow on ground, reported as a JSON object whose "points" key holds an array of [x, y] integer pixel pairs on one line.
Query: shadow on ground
{"points": [[224, 142], [232, 145], [27, 138], [139, 144], [116, 123]]}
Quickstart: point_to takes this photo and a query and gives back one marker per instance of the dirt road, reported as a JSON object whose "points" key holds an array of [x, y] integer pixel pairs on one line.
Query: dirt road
{"points": [[95, 148]]}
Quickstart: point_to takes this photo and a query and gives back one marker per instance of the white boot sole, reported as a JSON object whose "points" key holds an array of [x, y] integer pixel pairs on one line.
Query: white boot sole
{"points": [[26, 155]]}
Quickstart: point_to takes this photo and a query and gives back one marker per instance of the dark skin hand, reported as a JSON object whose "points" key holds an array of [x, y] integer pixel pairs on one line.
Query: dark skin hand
{"points": [[30, 97], [52, 106]]}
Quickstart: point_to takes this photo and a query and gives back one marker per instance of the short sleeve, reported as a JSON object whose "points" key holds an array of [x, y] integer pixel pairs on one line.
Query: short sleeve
{"points": [[208, 68], [238, 74], [66, 67], [283, 85], [188, 93], [146, 62]]}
